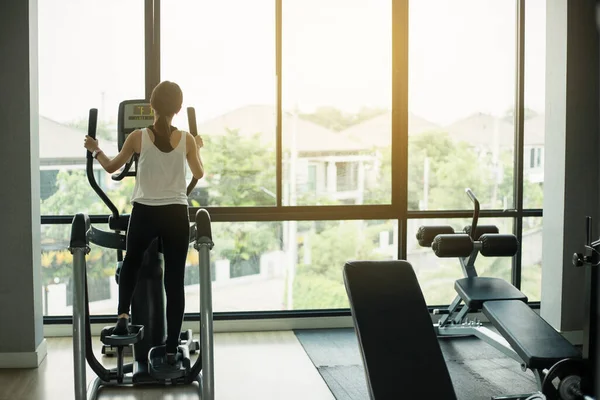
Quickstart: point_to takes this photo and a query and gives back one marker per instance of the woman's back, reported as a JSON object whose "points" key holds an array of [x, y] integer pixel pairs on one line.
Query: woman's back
{"points": [[161, 173]]}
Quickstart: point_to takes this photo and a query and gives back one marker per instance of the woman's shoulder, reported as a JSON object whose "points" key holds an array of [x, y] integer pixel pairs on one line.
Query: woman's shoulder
{"points": [[186, 137], [138, 132], [186, 134]]}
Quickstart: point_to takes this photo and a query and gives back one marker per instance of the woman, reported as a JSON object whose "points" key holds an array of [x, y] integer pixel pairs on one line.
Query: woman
{"points": [[160, 204]]}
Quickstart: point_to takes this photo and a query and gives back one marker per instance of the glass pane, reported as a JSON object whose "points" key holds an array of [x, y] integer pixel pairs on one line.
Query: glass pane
{"points": [[57, 271], [67, 191], [84, 65], [288, 265], [336, 96], [531, 258], [255, 266], [437, 275], [224, 62], [461, 102], [535, 103]]}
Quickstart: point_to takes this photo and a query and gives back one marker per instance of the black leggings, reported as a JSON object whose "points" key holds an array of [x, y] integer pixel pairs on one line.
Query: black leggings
{"points": [[171, 224]]}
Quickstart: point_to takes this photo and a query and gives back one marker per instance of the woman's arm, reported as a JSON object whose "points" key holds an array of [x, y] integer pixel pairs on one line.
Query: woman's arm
{"points": [[193, 146], [113, 165]]}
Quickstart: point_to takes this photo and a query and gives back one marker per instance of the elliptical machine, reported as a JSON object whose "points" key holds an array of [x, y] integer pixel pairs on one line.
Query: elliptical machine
{"points": [[147, 333]]}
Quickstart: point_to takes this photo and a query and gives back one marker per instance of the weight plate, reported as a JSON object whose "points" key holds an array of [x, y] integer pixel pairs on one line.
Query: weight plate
{"points": [[562, 378]]}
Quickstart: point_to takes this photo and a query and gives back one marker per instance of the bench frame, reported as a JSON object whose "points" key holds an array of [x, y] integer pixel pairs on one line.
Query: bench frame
{"points": [[455, 322]]}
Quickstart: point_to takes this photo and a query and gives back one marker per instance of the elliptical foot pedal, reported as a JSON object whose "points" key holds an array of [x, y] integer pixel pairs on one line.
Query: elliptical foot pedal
{"points": [[136, 334], [159, 368]]}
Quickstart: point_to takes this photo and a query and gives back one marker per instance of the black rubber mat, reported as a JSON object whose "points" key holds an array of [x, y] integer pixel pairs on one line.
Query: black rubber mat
{"points": [[478, 371]]}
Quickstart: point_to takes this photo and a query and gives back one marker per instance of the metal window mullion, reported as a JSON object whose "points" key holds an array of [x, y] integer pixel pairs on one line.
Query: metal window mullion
{"points": [[148, 35], [156, 42], [518, 180], [399, 183], [273, 214], [278, 127], [152, 52]]}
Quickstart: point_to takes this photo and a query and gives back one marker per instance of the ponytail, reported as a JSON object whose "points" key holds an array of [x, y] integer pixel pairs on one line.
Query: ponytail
{"points": [[166, 100], [162, 130]]}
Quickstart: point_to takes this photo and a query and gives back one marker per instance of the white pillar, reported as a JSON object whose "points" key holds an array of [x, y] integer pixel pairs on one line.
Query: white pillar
{"points": [[22, 343], [572, 145]]}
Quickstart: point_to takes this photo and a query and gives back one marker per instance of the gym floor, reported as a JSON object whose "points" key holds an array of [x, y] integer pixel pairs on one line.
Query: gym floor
{"points": [[307, 364], [257, 365]]}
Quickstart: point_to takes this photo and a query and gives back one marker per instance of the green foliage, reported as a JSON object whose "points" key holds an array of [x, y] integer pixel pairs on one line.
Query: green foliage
{"points": [[343, 241], [75, 195], [381, 192], [453, 166], [315, 291], [242, 243], [531, 282], [533, 193], [239, 170], [320, 284]]}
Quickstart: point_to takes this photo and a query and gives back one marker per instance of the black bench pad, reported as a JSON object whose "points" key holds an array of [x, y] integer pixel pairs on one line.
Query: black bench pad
{"points": [[535, 341], [477, 290], [396, 336]]}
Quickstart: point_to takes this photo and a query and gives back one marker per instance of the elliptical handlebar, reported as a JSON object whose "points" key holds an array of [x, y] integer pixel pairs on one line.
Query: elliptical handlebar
{"points": [[124, 172], [92, 122], [191, 113]]}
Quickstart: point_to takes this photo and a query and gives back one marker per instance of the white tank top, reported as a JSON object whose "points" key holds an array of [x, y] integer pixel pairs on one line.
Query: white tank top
{"points": [[160, 176]]}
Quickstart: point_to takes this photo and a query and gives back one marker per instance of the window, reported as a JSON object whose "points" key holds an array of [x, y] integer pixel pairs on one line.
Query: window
{"points": [[336, 98], [347, 174], [84, 65], [531, 258], [461, 103], [534, 97], [294, 102], [224, 62], [57, 271]]}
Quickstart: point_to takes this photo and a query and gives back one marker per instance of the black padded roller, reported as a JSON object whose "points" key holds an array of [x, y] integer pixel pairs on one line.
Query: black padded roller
{"points": [[497, 245], [426, 234], [481, 230], [455, 245]]}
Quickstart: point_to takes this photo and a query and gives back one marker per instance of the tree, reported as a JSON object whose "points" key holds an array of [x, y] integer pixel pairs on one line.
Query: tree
{"points": [[319, 284], [74, 195], [453, 166], [240, 171], [381, 191]]}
